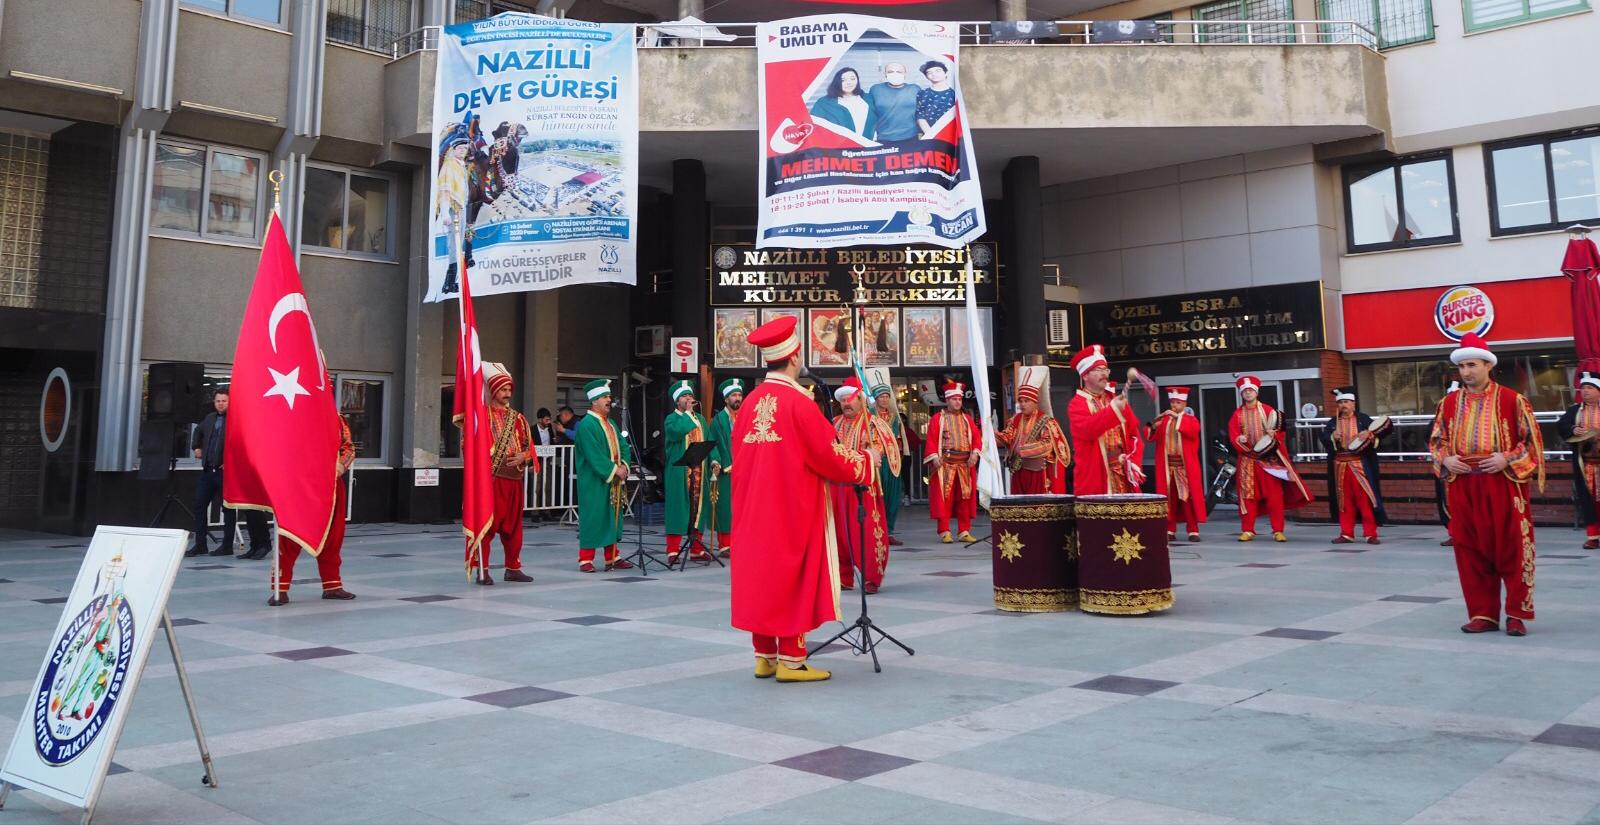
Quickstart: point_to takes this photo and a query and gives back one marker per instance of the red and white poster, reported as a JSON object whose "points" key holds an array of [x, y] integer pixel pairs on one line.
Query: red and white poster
{"points": [[864, 139]]}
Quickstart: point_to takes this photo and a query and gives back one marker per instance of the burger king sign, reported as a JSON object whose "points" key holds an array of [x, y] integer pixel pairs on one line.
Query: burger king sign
{"points": [[1462, 310]]}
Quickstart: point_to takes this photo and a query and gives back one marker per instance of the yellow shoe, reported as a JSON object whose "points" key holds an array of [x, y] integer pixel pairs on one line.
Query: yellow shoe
{"points": [[765, 669], [803, 673], [1279, 537], [967, 537], [945, 537], [1246, 536]]}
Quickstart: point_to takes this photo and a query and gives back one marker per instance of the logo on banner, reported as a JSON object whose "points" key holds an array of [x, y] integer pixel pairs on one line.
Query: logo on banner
{"points": [[84, 678], [1463, 310], [608, 254]]}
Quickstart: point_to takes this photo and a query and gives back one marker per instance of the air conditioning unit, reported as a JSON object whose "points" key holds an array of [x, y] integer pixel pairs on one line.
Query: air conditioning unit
{"points": [[1060, 327], [650, 340]]}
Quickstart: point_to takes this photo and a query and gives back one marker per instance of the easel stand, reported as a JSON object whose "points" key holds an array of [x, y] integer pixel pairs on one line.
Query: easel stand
{"points": [[865, 642], [209, 779]]}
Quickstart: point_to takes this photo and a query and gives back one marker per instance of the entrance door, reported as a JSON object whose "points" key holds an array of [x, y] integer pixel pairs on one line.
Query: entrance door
{"points": [[1217, 403]]}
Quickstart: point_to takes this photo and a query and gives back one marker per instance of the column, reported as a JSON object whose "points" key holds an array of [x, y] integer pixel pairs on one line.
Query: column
{"points": [[425, 345], [308, 21], [1023, 294], [541, 336], [1011, 9], [689, 237]]}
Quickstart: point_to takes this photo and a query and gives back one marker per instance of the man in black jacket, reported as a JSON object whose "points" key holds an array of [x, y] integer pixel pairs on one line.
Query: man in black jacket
{"points": [[209, 439], [1353, 486], [1579, 426]]}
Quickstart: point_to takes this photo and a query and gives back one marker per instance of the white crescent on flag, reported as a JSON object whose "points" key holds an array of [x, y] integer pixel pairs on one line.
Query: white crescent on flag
{"points": [[296, 302]]}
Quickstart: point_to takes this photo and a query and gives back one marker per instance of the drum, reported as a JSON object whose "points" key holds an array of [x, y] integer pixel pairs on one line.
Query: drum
{"points": [[1035, 553], [1123, 565], [1265, 445]]}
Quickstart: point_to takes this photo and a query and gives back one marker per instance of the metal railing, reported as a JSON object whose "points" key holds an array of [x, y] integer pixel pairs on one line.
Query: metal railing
{"points": [[1408, 441], [555, 487], [977, 33]]}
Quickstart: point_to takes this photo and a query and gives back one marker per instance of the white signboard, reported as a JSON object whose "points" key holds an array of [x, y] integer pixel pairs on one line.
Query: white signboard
{"points": [[686, 355], [426, 478], [75, 712]]}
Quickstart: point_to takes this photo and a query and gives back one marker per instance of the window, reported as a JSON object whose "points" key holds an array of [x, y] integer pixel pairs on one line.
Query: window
{"points": [[1245, 10], [1480, 15], [1395, 22], [261, 11], [1399, 204], [209, 192], [369, 24], [361, 400], [1543, 183], [471, 10], [346, 211]]}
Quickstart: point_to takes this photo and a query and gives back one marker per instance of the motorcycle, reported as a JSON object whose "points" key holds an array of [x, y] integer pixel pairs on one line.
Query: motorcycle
{"points": [[1222, 489]]}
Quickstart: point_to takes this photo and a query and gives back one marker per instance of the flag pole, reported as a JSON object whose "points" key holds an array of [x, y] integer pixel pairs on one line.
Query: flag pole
{"points": [[276, 178], [461, 313]]}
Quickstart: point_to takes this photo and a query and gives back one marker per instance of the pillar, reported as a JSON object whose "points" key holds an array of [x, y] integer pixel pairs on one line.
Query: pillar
{"points": [[689, 236], [541, 336], [692, 8], [425, 346], [1011, 9], [1023, 256], [308, 20]]}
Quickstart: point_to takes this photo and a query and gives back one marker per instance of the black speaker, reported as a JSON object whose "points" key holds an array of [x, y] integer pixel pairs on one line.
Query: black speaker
{"points": [[174, 392], [158, 445]]}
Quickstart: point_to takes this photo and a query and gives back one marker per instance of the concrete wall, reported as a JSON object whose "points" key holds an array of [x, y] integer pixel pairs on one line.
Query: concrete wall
{"points": [[232, 65], [33, 39], [352, 105], [1244, 220]]}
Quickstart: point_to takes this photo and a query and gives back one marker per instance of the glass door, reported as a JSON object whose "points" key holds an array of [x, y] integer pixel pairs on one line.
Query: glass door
{"points": [[1216, 406]]}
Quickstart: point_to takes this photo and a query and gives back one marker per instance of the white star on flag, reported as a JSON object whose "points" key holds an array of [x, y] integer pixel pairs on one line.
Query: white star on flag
{"points": [[287, 386]]}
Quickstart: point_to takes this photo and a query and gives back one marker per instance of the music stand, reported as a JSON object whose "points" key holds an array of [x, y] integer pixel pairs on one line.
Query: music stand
{"points": [[694, 456], [640, 558], [863, 623]]}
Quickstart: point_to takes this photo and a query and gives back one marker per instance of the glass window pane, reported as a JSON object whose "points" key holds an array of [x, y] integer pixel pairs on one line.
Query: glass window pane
{"points": [[1552, 6], [234, 195], [214, 5], [1521, 192], [267, 11], [369, 215], [1482, 13], [322, 218], [1374, 209], [1574, 162], [1404, 21], [1426, 186], [361, 403], [175, 192]]}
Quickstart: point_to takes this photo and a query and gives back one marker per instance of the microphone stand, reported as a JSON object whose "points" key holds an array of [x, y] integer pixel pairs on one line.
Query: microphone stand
{"points": [[640, 557], [863, 624]]}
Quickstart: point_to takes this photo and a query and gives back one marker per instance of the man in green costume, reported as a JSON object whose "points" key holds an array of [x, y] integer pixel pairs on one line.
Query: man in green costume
{"points": [[892, 492], [688, 488], [732, 392], [602, 467]]}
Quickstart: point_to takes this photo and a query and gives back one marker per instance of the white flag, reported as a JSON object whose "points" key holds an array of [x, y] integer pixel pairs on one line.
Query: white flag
{"points": [[990, 476]]}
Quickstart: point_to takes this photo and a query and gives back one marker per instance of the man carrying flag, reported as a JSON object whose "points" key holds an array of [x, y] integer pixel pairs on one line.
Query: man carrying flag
{"points": [[477, 438], [329, 560], [510, 451], [282, 396]]}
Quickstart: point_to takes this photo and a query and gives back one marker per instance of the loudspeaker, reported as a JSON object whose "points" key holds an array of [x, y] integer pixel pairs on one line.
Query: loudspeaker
{"points": [[158, 445], [174, 392]]}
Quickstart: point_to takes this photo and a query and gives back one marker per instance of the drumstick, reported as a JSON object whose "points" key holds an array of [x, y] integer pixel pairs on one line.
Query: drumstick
{"points": [[1144, 381]]}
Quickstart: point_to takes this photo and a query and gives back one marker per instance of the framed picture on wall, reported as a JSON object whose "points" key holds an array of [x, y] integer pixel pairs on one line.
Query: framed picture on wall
{"points": [[828, 337], [730, 328], [769, 315], [880, 337], [960, 355], [922, 336]]}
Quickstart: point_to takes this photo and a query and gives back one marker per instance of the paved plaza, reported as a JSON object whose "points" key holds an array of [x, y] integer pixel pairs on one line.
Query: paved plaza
{"points": [[1296, 682]]}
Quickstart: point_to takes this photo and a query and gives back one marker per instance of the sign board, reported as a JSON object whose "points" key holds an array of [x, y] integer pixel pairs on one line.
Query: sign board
{"points": [[742, 275], [1224, 322], [1435, 318], [1462, 311], [426, 478], [81, 697], [685, 355]]}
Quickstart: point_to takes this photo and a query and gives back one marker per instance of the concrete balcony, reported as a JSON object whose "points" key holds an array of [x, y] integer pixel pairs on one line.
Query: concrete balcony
{"points": [[54, 62]]}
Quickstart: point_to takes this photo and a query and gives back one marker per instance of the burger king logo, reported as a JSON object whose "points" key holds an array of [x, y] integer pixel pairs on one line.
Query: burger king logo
{"points": [[1463, 310]]}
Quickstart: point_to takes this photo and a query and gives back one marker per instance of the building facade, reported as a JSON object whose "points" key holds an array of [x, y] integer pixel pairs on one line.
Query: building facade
{"points": [[1284, 188]]}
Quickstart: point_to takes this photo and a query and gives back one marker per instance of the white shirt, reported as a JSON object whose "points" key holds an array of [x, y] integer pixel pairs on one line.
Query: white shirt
{"points": [[856, 105], [545, 434]]}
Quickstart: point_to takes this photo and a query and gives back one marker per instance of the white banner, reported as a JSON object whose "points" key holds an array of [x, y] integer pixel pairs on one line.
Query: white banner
{"points": [[81, 697], [864, 139], [536, 155]]}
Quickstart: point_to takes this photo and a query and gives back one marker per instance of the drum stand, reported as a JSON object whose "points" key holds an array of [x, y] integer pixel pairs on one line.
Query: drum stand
{"points": [[863, 624]]}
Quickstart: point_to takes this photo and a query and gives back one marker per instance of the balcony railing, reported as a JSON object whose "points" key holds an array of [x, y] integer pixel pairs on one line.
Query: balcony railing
{"points": [[1072, 33], [1408, 441]]}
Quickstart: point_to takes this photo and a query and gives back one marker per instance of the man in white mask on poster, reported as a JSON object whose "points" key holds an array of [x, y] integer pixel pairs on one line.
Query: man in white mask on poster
{"points": [[895, 103]]}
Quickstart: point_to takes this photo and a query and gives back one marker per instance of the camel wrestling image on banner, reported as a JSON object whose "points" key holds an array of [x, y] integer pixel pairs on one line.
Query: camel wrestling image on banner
{"points": [[864, 139]]}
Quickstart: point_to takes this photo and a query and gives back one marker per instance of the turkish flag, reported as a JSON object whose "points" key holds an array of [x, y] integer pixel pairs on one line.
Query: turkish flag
{"points": [[282, 439], [471, 414]]}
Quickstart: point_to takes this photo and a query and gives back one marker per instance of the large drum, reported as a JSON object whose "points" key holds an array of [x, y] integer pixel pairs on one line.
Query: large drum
{"points": [[1123, 565], [1035, 553]]}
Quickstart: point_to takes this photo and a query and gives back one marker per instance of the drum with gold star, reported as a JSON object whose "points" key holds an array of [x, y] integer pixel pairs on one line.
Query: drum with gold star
{"points": [[1035, 553], [1123, 566]]}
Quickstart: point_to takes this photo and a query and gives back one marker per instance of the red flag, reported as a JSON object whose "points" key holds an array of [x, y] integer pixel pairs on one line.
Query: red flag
{"points": [[472, 416], [282, 438]]}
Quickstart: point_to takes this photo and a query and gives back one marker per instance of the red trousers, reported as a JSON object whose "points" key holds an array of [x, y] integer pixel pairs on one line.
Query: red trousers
{"points": [[1351, 498], [327, 561], [1270, 488], [507, 525], [1492, 531], [586, 554], [791, 649], [675, 544], [1029, 483], [1177, 505]]}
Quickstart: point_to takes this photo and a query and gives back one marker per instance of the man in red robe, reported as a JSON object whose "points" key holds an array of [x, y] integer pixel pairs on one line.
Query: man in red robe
{"points": [[1103, 431], [787, 583], [1176, 434], [1265, 472], [954, 441], [329, 560], [1487, 447], [510, 452], [857, 429], [1039, 453]]}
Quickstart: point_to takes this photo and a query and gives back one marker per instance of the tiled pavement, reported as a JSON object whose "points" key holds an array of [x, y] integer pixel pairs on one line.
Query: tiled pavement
{"points": [[1289, 684]]}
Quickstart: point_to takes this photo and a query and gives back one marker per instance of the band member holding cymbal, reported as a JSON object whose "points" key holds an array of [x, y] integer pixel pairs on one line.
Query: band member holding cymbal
{"points": [[1265, 471], [1104, 431], [1580, 426], [1351, 440]]}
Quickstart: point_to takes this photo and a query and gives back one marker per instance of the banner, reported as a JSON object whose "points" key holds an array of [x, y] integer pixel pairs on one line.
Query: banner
{"points": [[864, 138], [535, 159]]}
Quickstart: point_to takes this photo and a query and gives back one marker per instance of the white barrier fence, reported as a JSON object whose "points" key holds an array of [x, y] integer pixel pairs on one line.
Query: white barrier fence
{"points": [[555, 487]]}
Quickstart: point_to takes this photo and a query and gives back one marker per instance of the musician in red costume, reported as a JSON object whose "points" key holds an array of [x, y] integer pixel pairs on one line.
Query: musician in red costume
{"points": [[787, 583], [1039, 453], [1266, 474], [1487, 447], [1104, 431], [1176, 434], [954, 442], [510, 452], [330, 559], [858, 429]]}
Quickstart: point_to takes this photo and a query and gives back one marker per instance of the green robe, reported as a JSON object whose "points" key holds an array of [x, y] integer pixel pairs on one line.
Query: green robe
{"points": [[722, 433], [892, 493], [677, 433], [600, 503]]}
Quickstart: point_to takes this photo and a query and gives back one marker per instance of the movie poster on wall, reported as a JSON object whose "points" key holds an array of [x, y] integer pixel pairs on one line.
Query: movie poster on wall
{"points": [[923, 336], [828, 336], [730, 331], [535, 152], [864, 138], [880, 337]]}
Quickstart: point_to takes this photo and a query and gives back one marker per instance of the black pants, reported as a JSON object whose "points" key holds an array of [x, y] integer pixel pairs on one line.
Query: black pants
{"points": [[209, 490]]}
